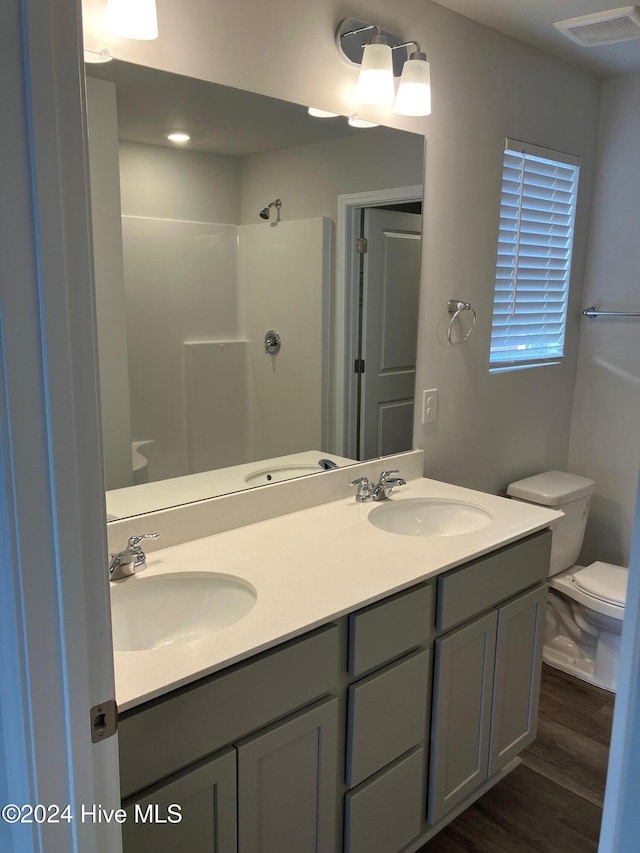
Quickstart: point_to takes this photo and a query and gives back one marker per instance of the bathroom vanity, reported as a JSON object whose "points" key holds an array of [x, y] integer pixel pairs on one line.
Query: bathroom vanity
{"points": [[365, 730]]}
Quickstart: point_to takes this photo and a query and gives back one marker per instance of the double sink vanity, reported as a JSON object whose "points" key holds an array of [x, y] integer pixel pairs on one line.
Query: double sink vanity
{"points": [[347, 676]]}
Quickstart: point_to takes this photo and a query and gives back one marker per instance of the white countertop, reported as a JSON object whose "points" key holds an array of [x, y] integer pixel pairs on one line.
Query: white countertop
{"points": [[309, 567], [162, 494]]}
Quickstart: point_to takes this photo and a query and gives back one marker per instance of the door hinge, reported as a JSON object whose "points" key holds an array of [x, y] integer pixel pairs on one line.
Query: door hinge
{"points": [[104, 720], [362, 246], [358, 366]]}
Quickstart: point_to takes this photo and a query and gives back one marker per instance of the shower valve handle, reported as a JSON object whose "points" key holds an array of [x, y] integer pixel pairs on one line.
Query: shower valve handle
{"points": [[272, 342]]}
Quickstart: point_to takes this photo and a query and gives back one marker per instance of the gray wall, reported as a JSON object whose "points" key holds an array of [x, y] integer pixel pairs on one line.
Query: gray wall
{"points": [[173, 183], [606, 412], [309, 178], [486, 86]]}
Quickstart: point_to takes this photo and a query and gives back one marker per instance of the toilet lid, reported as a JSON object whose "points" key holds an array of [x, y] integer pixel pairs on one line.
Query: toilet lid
{"points": [[604, 581]]}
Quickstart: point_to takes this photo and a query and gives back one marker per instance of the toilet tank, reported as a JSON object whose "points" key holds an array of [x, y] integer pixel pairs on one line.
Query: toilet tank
{"points": [[569, 493]]}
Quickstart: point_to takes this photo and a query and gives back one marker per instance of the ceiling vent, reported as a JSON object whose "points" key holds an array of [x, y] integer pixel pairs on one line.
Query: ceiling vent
{"points": [[602, 27]]}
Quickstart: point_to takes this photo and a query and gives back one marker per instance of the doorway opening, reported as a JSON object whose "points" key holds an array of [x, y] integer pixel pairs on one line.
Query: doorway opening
{"points": [[377, 288]]}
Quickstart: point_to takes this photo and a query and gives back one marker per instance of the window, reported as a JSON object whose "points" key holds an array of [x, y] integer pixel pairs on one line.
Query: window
{"points": [[537, 213]]}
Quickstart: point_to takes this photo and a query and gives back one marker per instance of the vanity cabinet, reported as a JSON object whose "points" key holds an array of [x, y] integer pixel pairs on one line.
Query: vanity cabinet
{"points": [[486, 682], [287, 784], [365, 734], [249, 754], [388, 713], [461, 714], [206, 797]]}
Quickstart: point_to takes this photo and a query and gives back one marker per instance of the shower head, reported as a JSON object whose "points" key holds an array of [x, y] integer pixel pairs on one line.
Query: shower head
{"points": [[265, 213]]}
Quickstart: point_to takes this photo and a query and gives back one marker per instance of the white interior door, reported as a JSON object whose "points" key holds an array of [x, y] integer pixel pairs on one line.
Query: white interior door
{"points": [[391, 285]]}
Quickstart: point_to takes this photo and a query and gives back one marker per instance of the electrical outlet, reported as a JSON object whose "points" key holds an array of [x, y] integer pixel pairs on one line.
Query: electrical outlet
{"points": [[430, 406]]}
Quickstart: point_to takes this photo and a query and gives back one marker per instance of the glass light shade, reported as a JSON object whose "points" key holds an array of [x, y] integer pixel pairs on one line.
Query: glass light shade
{"points": [[414, 91], [133, 19], [375, 83], [316, 113], [354, 121]]}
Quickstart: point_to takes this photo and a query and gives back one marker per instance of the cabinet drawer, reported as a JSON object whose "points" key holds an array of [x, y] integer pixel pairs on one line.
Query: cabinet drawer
{"points": [[385, 814], [387, 715], [475, 587], [163, 736], [385, 630]]}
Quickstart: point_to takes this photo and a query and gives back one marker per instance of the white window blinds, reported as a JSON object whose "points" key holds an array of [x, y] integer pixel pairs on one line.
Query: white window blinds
{"points": [[537, 213]]}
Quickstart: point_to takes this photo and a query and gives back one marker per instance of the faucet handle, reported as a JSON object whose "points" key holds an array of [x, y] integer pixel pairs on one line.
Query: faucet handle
{"points": [[360, 481], [126, 562], [365, 492], [134, 541], [386, 474]]}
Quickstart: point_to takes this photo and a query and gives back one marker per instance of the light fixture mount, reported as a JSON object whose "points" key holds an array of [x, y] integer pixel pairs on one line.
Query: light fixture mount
{"points": [[353, 35]]}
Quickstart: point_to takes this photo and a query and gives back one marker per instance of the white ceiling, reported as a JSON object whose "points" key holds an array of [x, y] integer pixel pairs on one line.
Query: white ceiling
{"points": [[219, 119], [531, 21]]}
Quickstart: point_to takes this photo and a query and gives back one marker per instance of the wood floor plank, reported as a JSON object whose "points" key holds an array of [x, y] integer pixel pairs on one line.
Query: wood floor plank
{"points": [[525, 813], [569, 759], [581, 707]]}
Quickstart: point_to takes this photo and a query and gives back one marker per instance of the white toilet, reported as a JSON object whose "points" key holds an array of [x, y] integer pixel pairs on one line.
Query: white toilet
{"points": [[586, 604]]}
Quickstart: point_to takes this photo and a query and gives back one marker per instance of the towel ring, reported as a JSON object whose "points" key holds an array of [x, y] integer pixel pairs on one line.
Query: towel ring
{"points": [[456, 307]]}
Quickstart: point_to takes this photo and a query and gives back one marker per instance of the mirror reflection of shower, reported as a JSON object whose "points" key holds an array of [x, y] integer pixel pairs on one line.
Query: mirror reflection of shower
{"points": [[266, 212]]}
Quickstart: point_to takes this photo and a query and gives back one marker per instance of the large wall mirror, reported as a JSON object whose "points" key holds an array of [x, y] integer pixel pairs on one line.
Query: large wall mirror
{"points": [[257, 287]]}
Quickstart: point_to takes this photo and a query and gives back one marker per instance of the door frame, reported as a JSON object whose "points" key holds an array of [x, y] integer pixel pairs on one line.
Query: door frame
{"points": [[54, 597], [347, 296]]}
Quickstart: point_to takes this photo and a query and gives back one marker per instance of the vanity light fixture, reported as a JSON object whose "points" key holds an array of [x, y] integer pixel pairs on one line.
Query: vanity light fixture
{"points": [[375, 83], [354, 121], [179, 138], [132, 19], [95, 56], [382, 56], [414, 91], [316, 113]]}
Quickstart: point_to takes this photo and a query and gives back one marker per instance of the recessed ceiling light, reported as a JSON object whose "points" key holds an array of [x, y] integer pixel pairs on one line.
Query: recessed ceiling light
{"points": [[178, 137]]}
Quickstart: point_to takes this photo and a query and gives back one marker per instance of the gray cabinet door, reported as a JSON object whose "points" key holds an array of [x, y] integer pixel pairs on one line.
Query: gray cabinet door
{"points": [[461, 721], [204, 799], [287, 781], [517, 676]]}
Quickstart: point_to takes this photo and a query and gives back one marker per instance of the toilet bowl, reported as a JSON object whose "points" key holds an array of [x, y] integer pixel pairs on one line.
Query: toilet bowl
{"points": [[585, 609], [584, 619]]}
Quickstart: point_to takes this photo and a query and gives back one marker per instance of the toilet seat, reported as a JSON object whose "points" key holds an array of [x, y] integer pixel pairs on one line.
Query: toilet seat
{"points": [[604, 581], [565, 583]]}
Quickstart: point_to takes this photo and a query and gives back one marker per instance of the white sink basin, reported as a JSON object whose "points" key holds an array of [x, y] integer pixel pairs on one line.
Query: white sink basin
{"points": [[429, 517], [282, 472], [166, 610]]}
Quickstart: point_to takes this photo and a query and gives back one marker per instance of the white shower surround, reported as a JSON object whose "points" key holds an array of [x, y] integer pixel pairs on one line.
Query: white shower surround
{"points": [[200, 297]]}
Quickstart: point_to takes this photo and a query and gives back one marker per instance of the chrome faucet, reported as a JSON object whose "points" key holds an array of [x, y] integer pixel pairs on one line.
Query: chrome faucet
{"points": [[127, 562], [327, 464], [381, 490]]}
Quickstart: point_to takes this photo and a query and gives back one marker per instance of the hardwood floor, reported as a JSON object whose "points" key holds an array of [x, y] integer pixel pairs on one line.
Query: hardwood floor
{"points": [[553, 801]]}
